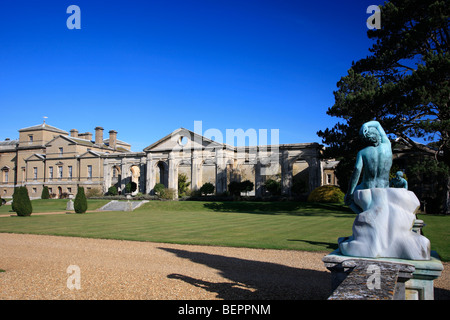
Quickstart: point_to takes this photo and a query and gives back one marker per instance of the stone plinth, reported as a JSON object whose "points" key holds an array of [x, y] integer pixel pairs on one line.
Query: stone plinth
{"points": [[414, 280], [385, 227], [70, 206]]}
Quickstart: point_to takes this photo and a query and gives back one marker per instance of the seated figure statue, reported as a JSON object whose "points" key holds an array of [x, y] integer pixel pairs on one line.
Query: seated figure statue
{"points": [[385, 216], [374, 161], [398, 181]]}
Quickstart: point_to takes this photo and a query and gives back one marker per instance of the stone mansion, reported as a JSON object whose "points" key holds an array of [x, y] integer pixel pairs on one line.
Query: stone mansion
{"points": [[47, 156]]}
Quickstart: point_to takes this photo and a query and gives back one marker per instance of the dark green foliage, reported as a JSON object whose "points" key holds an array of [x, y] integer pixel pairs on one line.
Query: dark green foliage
{"points": [[130, 187], [22, 202], [15, 193], [45, 194], [158, 188], [273, 186], [80, 203], [247, 186], [404, 84], [235, 187], [207, 188], [112, 191]]}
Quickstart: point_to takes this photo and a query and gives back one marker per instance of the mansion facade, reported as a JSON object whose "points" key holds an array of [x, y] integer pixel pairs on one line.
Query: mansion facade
{"points": [[47, 156]]}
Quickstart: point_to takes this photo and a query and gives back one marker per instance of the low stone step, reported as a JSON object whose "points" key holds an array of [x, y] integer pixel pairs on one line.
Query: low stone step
{"points": [[116, 205]]}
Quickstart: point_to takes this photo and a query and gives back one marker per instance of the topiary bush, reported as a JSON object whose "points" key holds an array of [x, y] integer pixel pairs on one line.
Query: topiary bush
{"points": [[80, 203], [207, 188], [15, 193], [45, 194], [22, 206], [326, 194]]}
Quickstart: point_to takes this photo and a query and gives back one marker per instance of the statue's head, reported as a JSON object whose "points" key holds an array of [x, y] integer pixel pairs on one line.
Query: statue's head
{"points": [[371, 136], [399, 174]]}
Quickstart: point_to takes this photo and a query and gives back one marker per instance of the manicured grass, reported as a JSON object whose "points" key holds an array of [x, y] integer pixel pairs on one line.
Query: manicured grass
{"points": [[275, 225], [437, 230], [280, 225], [53, 205]]}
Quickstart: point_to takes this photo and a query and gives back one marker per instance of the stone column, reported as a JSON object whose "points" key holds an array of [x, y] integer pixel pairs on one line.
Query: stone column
{"points": [[286, 173], [150, 174], [123, 176], [106, 175], [221, 172], [315, 172], [143, 175], [173, 174], [195, 170], [258, 179]]}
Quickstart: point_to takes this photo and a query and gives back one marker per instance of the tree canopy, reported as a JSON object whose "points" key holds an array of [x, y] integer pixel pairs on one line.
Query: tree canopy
{"points": [[403, 83]]}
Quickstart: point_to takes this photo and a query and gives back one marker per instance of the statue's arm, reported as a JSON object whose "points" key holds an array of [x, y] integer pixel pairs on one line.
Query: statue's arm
{"points": [[355, 176], [377, 125]]}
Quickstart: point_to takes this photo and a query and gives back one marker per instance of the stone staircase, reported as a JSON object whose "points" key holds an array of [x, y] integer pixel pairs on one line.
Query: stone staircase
{"points": [[116, 205]]}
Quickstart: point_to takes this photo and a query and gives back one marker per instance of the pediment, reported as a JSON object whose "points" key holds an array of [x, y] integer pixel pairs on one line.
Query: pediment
{"points": [[182, 140], [36, 156], [60, 138], [91, 153]]}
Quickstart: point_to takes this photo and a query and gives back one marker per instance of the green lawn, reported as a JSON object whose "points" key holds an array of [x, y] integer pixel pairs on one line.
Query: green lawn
{"points": [[53, 205], [275, 225]]}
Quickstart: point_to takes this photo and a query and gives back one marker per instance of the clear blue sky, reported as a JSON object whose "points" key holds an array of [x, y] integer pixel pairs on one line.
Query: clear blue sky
{"points": [[146, 68]]}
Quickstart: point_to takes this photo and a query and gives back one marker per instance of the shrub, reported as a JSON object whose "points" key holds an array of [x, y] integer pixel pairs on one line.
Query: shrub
{"points": [[130, 187], [23, 205], [273, 186], [167, 194], [80, 203], [183, 184], [326, 193], [15, 193], [45, 194], [235, 188], [112, 191], [158, 188], [93, 192], [247, 186], [207, 188]]}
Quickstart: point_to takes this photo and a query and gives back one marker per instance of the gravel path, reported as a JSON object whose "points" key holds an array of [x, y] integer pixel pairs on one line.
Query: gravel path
{"points": [[36, 268]]}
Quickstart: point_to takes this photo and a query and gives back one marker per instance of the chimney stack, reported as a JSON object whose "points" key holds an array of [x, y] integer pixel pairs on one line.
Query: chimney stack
{"points": [[112, 139], [99, 136], [74, 133]]}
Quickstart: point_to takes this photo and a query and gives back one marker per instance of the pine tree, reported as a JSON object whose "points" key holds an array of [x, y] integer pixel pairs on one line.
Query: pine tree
{"points": [[403, 84], [80, 203]]}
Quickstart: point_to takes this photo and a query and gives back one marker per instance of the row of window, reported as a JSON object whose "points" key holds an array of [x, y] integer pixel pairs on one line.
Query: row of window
{"points": [[51, 174], [60, 172]]}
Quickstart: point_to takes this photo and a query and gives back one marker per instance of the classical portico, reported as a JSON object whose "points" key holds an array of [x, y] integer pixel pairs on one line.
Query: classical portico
{"points": [[203, 160]]}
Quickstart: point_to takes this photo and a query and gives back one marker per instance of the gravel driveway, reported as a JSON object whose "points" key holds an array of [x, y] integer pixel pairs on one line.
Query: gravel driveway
{"points": [[45, 267]]}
